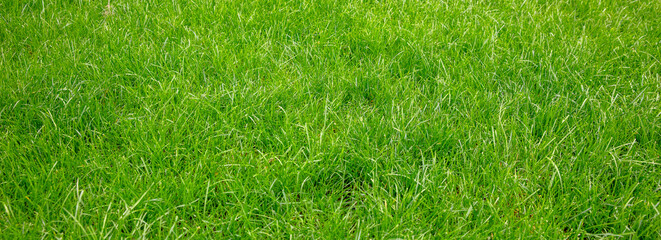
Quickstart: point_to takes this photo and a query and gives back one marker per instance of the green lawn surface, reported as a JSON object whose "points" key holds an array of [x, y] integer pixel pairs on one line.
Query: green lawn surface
{"points": [[330, 119]]}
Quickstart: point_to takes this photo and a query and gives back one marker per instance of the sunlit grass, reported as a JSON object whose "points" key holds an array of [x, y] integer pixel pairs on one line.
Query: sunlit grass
{"points": [[330, 119]]}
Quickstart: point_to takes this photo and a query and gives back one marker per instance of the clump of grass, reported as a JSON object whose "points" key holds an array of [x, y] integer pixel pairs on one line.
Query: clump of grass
{"points": [[330, 119]]}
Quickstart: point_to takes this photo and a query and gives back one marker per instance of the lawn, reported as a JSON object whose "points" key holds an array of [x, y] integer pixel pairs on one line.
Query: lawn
{"points": [[330, 119]]}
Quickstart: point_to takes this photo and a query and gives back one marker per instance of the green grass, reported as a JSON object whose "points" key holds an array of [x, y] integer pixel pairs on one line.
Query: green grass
{"points": [[330, 119]]}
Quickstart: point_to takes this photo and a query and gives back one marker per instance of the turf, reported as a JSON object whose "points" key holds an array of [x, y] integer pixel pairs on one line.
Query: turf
{"points": [[330, 119]]}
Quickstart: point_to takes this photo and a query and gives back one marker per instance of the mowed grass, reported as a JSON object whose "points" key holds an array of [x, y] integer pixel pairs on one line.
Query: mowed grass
{"points": [[330, 119]]}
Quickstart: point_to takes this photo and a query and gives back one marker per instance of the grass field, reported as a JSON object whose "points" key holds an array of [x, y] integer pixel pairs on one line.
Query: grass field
{"points": [[330, 119]]}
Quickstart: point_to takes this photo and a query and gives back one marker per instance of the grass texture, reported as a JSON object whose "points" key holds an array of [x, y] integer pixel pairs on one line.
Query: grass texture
{"points": [[330, 119]]}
